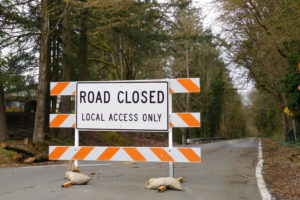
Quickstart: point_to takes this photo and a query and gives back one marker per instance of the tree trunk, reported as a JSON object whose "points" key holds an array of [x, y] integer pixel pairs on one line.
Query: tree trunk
{"points": [[65, 104], [48, 78], [3, 122], [39, 124], [83, 46], [54, 74], [183, 136], [189, 131]]}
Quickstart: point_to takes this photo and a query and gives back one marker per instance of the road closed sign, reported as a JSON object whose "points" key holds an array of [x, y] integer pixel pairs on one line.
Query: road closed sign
{"points": [[122, 106]]}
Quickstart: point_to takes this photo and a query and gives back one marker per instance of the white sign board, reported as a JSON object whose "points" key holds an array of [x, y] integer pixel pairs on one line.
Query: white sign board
{"points": [[122, 106]]}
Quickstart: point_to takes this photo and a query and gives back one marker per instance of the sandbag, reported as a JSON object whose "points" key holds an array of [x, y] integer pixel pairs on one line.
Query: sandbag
{"points": [[77, 178], [170, 182]]}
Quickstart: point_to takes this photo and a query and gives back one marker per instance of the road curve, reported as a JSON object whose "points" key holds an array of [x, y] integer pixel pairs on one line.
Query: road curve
{"points": [[227, 171]]}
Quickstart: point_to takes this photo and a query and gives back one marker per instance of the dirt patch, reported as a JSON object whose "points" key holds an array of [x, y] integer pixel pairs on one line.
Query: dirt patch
{"points": [[281, 170]]}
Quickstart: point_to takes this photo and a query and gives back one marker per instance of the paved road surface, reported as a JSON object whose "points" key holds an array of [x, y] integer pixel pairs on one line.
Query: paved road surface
{"points": [[227, 171]]}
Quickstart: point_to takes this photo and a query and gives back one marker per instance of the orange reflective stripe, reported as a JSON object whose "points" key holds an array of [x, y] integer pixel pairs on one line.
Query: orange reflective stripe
{"points": [[57, 152], [134, 154], [190, 155], [171, 125], [74, 92], [82, 153], [74, 125], [58, 120], [171, 91], [58, 88], [108, 153], [189, 85], [162, 154], [189, 119]]}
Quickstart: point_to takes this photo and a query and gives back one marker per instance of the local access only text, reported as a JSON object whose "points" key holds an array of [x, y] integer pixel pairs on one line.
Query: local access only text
{"points": [[122, 117]]}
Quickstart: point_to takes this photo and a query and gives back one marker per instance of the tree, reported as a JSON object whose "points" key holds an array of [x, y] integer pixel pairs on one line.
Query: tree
{"points": [[39, 124], [257, 32], [291, 79], [83, 45], [3, 124]]}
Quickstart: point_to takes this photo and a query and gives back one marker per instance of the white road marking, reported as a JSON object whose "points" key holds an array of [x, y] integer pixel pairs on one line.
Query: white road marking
{"points": [[265, 194], [81, 165]]}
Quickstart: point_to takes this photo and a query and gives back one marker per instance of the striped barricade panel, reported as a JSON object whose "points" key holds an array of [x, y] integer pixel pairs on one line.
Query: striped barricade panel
{"points": [[62, 88], [185, 120], [143, 154], [183, 85], [62, 120], [176, 120]]}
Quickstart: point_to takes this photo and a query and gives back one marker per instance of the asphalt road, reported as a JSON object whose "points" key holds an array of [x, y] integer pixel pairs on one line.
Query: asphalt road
{"points": [[227, 171]]}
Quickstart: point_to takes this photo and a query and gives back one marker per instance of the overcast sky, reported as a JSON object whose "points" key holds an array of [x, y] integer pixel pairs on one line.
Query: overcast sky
{"points": [[210, 16]]}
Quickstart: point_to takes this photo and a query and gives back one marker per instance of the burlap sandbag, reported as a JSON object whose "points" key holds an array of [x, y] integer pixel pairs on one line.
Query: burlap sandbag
{"points": [[77, 178], [171, 183]]}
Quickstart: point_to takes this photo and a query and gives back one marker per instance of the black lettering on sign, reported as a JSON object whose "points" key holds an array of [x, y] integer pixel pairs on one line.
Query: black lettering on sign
{"points": [[150, 117], [88, 117], [106, 97], [144, 100], [115, 117], [152, 96], [91, 97], [159, 116], [160, 97], [136, 117], [130, 117], [126, 97], [93, 116], [135, 97], [110, 117], [98, 117], [144, 117], [119, 98], [125, 117], [82, 96], [98, 98]]}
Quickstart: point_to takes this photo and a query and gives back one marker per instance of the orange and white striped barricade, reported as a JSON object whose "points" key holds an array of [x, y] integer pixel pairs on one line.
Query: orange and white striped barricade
{"points": [[142, 154], [147, 154]]}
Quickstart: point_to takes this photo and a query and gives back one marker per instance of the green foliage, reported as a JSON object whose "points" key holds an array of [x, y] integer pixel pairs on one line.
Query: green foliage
{"points": [[266, 116], [215, 107], [6, 156], [14, 73], [114, 139], [6, 152], [291, 80]]}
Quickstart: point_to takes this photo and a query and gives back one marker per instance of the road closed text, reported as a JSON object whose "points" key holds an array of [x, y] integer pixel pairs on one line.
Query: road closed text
{"points": [[152, 96], [122, 106]]}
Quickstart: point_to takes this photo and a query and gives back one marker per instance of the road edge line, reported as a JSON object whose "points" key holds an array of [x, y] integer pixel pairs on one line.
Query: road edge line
{"points": [[263, 190]]}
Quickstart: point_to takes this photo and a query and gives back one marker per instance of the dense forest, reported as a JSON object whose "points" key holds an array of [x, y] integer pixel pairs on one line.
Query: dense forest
{"points": [[264, 37], [78, 40]]}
